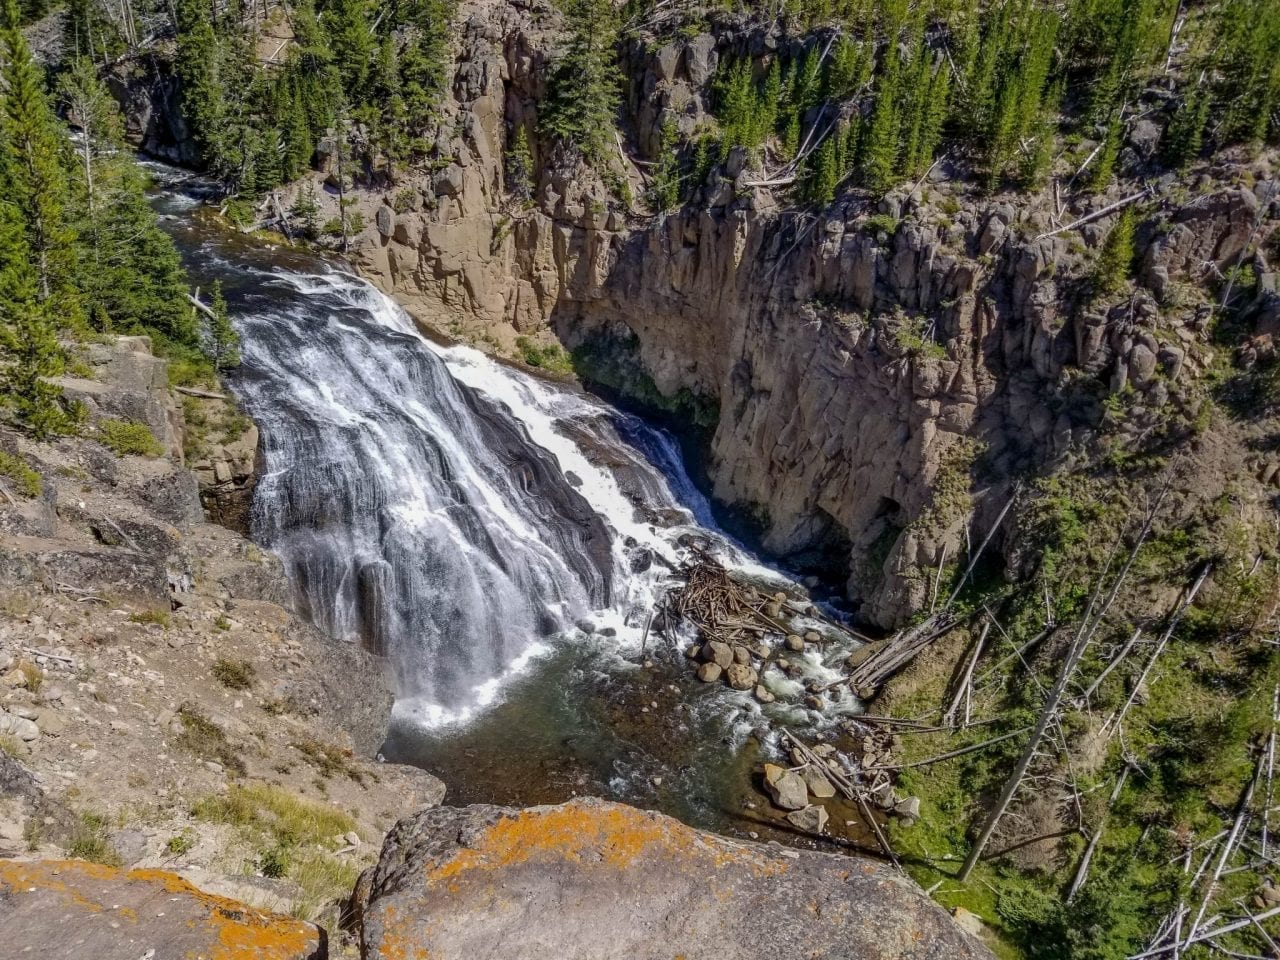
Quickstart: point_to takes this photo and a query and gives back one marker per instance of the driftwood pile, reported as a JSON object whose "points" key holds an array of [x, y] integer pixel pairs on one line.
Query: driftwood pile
{"points": [[719, 607]]}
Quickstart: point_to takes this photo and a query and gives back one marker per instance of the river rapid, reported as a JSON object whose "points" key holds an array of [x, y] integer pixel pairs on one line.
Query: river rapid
{"points": [[499, 538]]}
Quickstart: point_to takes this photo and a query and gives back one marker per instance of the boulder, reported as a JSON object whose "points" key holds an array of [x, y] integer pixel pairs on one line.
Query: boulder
{"points": [[795, 642], [449, 182], [811, 819], [968, 921], [908, 808], [385, 220], [786, 787], [763, 694], [721, 654], [591, 880], [741, 677], [12, 725], [818, 784], [709, 672], [74, 910]]}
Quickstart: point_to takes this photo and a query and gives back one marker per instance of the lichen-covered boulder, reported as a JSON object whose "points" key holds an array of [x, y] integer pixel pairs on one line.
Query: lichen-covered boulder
{"points": [[591, 880], [72, 910]]}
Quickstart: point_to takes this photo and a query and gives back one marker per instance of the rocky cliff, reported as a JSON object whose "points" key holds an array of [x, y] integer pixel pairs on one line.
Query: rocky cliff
{"points": [[882, 369]]}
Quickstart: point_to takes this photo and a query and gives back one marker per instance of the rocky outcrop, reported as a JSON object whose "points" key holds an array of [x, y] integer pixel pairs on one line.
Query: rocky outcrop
{"points": [[598, 880], [71, 910]]}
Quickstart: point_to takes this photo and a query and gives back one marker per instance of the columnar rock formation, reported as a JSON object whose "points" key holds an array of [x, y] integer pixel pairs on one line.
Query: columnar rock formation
{"points": [[873, 363]]}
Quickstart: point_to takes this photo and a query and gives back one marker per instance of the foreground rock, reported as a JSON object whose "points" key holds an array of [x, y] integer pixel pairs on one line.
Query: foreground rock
{"points": [[56, 909], [598, 880]]}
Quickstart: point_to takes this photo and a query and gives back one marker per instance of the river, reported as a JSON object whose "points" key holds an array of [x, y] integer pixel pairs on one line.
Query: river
{"points": [[500, 538]]}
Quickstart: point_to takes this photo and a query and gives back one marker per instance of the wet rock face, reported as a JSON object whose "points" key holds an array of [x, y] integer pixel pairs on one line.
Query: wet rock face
{"points": [[598, 880], [72, 910]]}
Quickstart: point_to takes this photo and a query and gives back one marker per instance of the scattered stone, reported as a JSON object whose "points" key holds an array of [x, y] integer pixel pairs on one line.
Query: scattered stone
{"points": [[50, 722], [763, 695], [741, 655], [908, 808], [352, 838], [786, 787], [1270, 892], [709, 672], [812, 636], [968, 921], [795, 642], [14, 726], [741, 677], [818, 784], [693, 651], [811, 819]]}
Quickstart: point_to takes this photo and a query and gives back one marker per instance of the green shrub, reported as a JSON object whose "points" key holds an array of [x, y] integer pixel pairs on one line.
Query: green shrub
{"points": [[233, 674], [204, 738], [129, 438], [25, 480], [89, 841]]}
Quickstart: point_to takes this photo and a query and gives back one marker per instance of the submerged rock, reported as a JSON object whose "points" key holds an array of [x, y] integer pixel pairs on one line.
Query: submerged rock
{"points": [[786, 787], [591, 880], [71, 910], [811, 819]]}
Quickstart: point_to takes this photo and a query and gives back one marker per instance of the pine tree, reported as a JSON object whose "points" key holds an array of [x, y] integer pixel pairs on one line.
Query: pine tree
{"points": [[33, 178], [224, 342], [306, 209], [821, 187], [582, 104], [1185, 135], [31, 354], [346, 24], [1116, 259], [664, 189], [519, 166]]}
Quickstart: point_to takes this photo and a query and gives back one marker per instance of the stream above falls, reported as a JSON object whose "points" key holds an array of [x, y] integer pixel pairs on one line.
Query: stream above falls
{"points": [[501, 539]]}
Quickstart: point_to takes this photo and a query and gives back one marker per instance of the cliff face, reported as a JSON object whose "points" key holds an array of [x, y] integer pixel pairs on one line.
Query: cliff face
{"points": [[874, 363]]}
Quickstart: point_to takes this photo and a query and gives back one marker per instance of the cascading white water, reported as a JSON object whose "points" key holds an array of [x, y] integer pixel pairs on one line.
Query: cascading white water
{"points": [[447, 510]]}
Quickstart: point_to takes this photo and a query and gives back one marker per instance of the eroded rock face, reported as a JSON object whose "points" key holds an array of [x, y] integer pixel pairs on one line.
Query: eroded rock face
{"points": [[859, 359], [72, 910], [599, 880]]}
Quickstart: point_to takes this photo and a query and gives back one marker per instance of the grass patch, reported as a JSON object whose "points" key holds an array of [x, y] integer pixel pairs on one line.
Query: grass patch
{"points": [[329, 760], [233, 674], [89, 841], [551, 358], [129, 438], [25, 480], [204, 738], [32, 675], [158, 617], [180, 843], [290, 837], [10, 745]]}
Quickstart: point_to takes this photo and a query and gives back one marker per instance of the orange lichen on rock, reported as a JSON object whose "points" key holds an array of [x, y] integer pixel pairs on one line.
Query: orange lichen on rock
{"points": [[194, 922], [611, 835]]}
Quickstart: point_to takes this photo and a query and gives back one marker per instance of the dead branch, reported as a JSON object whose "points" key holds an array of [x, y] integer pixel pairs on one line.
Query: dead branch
{"points": [[1097, 214]]}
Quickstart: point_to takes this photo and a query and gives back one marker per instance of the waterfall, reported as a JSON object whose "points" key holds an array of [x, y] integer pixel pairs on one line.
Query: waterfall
{"points": [[445, 510]]}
